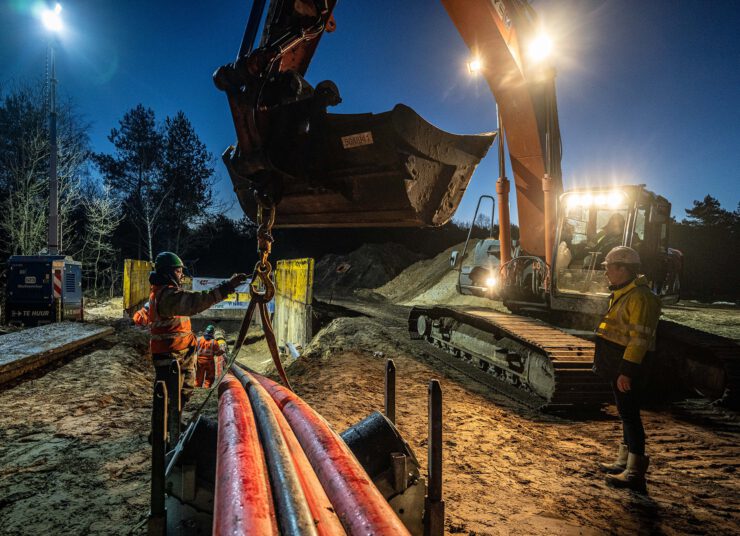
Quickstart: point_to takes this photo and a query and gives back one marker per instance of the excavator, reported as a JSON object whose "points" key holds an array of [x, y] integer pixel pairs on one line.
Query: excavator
{"points": [[320, 169]]}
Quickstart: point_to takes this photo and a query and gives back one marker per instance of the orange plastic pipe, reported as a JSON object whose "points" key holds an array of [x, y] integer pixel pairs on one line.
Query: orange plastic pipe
{"points": [[327, 522], [361, 508], [243, 500]]}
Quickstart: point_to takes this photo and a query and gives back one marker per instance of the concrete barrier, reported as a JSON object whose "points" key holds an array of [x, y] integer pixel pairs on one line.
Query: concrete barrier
{"points": [[293, 297], [135, 283]]}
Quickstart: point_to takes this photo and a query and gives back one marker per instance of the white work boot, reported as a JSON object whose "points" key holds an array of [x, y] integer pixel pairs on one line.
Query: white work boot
{"points": [[633, 477], [617, 466]]}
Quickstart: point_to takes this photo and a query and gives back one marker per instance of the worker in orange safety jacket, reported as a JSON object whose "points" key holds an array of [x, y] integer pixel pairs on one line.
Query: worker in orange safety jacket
{"points": [[209, 351], [170, 308], [625, 344], [141, 317]]}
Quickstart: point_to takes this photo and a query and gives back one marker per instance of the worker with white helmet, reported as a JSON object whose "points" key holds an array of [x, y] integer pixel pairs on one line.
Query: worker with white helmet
{"points": [[625, 343]]}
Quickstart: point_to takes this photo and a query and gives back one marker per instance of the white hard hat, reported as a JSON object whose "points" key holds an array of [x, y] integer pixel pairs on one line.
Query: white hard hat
{"points": [[622, 255]]}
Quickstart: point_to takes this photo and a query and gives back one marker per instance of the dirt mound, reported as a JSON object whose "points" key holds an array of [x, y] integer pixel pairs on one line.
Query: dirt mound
{"points": [[104, 311], [370, 266], [429, 282], [418, 278]]}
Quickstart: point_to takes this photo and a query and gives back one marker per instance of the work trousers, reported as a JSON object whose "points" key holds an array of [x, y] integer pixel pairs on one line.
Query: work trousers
{"points": [[206, 373], [187, 359], [628, 406]]}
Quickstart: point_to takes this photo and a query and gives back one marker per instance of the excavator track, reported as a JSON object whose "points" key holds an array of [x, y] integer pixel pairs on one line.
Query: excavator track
{"points": [[542, 366]]}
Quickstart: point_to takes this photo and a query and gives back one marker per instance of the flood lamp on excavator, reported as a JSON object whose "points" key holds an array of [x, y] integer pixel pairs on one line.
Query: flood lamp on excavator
{"points": [[331, 170]]}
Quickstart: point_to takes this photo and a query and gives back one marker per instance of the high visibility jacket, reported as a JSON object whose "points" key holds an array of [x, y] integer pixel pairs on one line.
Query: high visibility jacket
{"points": [[632, 319], [208, 347], [168, 333]]}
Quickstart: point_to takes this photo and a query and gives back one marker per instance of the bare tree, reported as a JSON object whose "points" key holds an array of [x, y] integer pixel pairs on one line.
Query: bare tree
{"points": [[24, 179], [103, 214]]}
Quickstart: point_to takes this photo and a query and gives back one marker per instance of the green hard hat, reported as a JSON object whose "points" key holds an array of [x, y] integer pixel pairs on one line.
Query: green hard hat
{"points": [[167, 261], [210, 329]]}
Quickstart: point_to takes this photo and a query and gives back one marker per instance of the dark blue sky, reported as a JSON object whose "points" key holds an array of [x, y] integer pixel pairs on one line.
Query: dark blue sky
{"points": [[648, 91]]}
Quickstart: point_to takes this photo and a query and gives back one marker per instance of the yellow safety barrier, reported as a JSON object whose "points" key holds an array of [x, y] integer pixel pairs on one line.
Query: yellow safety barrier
{"points": [[135, 283], [293, 298]]}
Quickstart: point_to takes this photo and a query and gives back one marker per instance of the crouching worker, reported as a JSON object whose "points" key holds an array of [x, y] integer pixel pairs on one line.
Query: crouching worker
{"points": [[170, 307], [625, 345], [209, 352]]}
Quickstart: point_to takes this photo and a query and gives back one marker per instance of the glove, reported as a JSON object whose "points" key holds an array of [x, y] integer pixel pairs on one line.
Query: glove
{"points": [[235, 281]]}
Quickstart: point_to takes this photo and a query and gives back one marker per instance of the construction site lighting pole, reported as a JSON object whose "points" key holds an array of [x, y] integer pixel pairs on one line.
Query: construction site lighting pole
{"points": [[52, 20]]}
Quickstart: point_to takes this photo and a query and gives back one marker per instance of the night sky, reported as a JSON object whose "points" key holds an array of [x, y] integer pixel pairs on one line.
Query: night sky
{"points": [[648, 91]]}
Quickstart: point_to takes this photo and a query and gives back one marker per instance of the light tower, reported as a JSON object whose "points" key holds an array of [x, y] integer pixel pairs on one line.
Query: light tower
{"points": [[52, 21]]}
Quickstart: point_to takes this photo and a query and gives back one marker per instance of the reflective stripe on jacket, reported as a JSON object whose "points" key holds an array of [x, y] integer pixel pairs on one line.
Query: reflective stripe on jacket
{"points": [[632, 319], [168, 334]]}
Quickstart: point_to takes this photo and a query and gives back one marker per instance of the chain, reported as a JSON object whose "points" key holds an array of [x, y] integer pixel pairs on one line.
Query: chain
{"points": [[263, 268], [262, 287]]}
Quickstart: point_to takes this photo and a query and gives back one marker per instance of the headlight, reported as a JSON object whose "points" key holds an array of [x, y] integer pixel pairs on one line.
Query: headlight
{"points": [[491, 282]]}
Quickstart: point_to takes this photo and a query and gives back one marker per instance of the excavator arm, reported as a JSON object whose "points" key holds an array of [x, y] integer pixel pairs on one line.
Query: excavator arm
{"points": [[497, 31], [331, 170]]}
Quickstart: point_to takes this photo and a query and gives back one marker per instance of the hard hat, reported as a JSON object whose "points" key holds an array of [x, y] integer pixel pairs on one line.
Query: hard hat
{"points": [[622, 255], [166, 261], [210, 329]]}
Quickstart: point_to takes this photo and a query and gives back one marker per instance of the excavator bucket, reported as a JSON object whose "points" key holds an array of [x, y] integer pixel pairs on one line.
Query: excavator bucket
{"points": [[356, 170]]}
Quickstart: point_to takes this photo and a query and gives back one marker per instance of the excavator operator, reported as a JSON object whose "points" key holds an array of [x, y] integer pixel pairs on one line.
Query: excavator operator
{"points": [[609, 237], [625, 344], [170, 307]]}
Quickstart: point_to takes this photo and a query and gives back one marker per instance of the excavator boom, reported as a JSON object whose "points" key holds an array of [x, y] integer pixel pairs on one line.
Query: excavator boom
{"points": [[496, 32]]}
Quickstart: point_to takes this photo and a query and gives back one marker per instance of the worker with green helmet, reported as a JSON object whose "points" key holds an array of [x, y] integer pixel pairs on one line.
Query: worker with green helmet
{"points": [[170, 308], [625, 343], [209, 353]]}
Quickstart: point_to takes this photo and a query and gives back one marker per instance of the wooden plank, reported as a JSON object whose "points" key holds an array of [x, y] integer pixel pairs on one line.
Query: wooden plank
{"points": [[26, 350]]}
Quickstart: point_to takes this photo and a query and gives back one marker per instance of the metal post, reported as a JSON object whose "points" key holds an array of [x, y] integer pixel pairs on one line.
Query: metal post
{"points": [[157, 522], [434, 506], [53, 234], [175, 405], [390, 390]]}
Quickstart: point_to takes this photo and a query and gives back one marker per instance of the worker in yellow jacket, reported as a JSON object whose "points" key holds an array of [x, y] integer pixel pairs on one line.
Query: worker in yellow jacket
{"points": [[625, 345]]}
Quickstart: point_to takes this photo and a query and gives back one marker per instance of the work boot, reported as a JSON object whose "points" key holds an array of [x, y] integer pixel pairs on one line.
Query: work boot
{"points": [[617, 466], [633, 477]]}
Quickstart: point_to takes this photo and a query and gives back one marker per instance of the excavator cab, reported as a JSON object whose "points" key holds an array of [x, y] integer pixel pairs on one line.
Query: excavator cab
{"points": [[592, 222], [331, 170]]}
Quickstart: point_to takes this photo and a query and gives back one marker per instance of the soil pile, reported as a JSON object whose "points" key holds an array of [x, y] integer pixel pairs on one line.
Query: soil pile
{"points": [[430, 282], [102, 312], [370, 266]]}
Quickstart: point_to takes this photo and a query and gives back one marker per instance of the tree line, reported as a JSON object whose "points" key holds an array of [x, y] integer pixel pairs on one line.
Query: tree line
{"points": [[153, 191]]}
